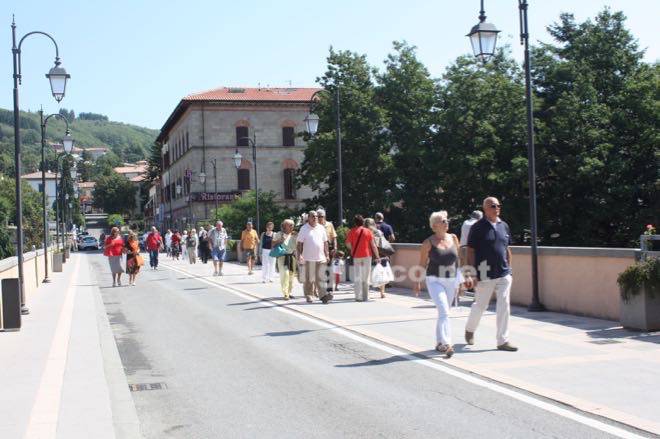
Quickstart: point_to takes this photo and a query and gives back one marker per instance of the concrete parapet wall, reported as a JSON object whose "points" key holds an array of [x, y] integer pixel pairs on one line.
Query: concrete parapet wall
{"points": [[574, 280], [33, 270]]}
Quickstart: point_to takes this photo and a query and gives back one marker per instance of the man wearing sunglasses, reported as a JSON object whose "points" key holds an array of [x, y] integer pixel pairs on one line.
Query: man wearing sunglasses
{"points": [[489, 253]]}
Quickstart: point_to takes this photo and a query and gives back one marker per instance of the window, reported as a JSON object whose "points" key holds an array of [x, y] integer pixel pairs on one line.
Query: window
{"points": [[288, 136], [241, 136], [41, 187], [243, 179], [289, 184]]}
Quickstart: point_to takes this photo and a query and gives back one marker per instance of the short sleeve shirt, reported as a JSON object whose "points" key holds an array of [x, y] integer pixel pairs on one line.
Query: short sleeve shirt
{"points": [[387, 230], [218, 239], [313, 240], [360, 239], [465, 230], [490, 243], [153, 241], [249, 239], [330, 231]]}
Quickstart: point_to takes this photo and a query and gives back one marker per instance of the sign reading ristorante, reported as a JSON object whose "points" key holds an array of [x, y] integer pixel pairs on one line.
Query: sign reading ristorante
{"points": [[213, 196]]}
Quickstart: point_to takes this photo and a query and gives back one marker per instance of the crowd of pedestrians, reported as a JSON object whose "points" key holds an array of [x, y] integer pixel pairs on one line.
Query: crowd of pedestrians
{"points": [[479, 261]]}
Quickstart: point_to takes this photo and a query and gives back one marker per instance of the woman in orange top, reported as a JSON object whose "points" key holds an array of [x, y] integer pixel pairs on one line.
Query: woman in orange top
{"points": [[133, 259], [113, 249]]}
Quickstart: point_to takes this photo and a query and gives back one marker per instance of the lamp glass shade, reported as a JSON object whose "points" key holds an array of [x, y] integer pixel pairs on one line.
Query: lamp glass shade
{"points": [[238, 159], [312, 122], [202, 177], [483, 38], [67, 143], [58, 77]]}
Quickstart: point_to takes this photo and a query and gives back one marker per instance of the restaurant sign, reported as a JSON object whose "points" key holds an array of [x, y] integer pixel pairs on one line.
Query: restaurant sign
{"points": [[221, 197]]}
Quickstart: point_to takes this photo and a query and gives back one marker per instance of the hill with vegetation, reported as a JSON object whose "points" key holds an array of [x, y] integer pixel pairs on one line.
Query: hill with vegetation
{"points": [[127, 143]]}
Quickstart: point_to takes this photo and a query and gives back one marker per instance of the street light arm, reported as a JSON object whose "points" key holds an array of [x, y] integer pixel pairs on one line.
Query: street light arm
{"points": [[58, 116], [20, 43]]}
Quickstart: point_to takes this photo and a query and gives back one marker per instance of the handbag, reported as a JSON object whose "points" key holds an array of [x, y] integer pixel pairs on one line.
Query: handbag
{"points": [[385, 248], [350, 260], [139, 260], [278, 250]]}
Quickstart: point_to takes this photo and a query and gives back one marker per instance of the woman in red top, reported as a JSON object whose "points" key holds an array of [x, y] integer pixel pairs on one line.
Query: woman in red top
{"points": [[113, 249], [360, 242], [176, 245]]}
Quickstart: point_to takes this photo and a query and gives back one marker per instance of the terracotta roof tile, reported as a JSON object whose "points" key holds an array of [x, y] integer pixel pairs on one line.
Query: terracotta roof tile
{"points": [[37, 175], [254, 94]]}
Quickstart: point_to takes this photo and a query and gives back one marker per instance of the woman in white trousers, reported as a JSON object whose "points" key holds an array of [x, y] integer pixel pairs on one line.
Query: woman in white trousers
{"points": [[266, 245]]}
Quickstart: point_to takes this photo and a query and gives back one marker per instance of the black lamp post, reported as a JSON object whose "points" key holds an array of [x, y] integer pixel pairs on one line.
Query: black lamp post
{"points": [[238, 158], [58, 78], [312, 122], [202, 179], [59, 213], [177, 189], [67, 144], [483, 37]]}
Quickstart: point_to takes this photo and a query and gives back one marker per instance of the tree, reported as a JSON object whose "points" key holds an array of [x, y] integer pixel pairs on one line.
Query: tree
{"points": [[479, 142], [234, 215], [154, 163], [408, 94], [104, 165], [367, 166], [114, 193], [32, 215], [598, 136]]}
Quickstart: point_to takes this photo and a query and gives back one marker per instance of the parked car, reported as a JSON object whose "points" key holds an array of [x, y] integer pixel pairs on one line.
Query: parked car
{"points": [[89, 242]]}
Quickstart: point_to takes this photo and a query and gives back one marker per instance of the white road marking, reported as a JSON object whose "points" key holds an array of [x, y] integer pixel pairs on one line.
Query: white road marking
{"points": [[46, 409], [470, 378]]}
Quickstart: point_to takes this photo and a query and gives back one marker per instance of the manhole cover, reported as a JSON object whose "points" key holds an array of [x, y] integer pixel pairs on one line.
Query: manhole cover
{"points": [[147, 386], [606, 341]]}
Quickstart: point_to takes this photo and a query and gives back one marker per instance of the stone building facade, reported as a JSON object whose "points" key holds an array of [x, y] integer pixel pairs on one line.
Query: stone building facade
{"points": [[202, 135]]}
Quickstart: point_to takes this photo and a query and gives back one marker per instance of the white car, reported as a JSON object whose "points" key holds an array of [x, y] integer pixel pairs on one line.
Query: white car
{"points": [[88, 242]]}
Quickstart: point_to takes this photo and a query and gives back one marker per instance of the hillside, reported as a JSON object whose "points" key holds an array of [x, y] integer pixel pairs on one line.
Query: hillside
{"points": [[129, 142]]}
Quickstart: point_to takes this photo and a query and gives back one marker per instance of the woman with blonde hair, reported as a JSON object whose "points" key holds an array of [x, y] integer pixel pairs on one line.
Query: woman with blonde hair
{"points": [[133, 258], [285, 240], [439, 255], [191, 244], [113, 248]]}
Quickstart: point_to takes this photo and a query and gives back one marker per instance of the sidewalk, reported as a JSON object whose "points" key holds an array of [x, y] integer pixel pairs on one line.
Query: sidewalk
{"points": [[61, 374], [591, 364]]}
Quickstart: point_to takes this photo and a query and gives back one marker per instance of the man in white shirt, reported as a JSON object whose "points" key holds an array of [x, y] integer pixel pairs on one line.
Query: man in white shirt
{"points": [[168, 242], [218, 243], [313, 254]]}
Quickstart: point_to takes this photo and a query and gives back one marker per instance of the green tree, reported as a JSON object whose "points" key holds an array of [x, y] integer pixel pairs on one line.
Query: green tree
{"points": [[234, 215], [598, 137], [104, 165], [114, 193], [32, 215], [367, 166], [408, 94]]}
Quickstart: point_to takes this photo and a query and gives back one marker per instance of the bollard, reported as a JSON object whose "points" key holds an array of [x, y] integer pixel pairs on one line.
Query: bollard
{"points": [[57, 262], [10, 305], [36, 265]]}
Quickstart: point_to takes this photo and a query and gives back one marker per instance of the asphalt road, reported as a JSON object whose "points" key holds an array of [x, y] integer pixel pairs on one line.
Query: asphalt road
{"points": [[220, 366]]}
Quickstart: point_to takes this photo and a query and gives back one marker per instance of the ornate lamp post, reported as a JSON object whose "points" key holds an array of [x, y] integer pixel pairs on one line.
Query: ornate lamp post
{"points": [[238, 158], [177, 189], [67, 144], [483, 37], [202, 179], [312, 123], [58, 78], [59, 213]]}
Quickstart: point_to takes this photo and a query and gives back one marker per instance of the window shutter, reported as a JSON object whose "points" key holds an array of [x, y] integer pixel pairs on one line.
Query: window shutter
{"points": [[289, 184], [241, 134], [243, 179], [288, 136]]}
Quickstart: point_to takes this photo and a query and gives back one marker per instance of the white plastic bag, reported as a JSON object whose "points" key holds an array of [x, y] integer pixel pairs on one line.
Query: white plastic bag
{"points": [[381, 275]]}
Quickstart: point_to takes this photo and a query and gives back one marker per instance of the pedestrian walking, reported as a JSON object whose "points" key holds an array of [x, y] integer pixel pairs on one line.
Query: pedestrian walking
{"points": [[203, 247], [133, 258], [154, 244], [217, 242], [489, 253], [192, 241], [385, 274], [332, 245], [285, 239], [113, 248], [313, 256], [176, 245], [360, 242], [168, 242], [439, 257], [249, 241], [388, 231], [267, 262], [338, 264], [184, 246]]}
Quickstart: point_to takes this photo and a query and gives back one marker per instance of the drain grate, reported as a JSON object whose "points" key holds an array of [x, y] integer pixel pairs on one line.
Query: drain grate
{"points": [[606, 341], [146, 386]]}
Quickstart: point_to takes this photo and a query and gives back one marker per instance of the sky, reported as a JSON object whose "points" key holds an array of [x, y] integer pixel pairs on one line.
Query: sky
{"points": [[134, 60]]}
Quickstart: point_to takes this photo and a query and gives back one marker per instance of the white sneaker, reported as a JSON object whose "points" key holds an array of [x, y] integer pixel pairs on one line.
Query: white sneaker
{"points": [[220, 273]]}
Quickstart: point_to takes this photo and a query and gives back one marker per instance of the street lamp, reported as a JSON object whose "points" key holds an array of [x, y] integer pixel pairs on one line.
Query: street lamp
{"points": [[214, 163], [486, 36], [58, 215], [312, 123], [67, 144], [238, 158], [58, 79], [177, 189]]}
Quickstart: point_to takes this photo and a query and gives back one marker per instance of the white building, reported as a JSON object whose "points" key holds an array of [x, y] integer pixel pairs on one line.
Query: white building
{"points": [[34, 179]]}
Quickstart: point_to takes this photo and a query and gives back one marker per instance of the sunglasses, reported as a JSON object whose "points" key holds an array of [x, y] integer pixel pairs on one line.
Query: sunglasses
{"points": [[444, 221], [496, 206]]}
